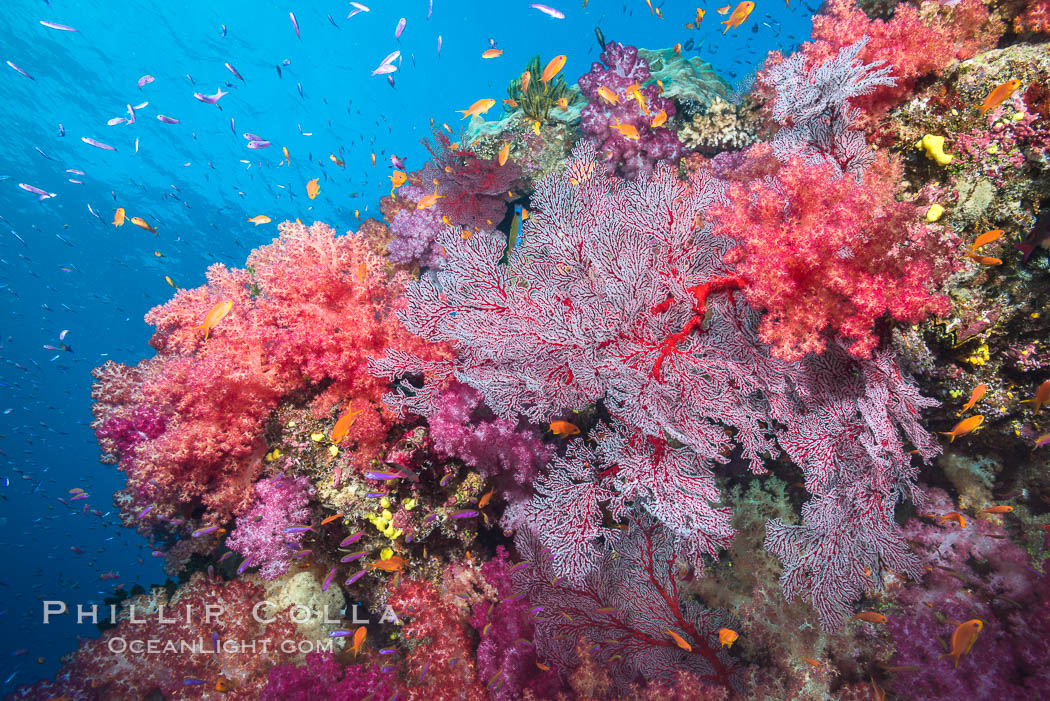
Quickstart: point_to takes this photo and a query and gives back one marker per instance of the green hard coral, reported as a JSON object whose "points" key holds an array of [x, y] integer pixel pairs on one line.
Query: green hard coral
{"points": [[538, 100]]}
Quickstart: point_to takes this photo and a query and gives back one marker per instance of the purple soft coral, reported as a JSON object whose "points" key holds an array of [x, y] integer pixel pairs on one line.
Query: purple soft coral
{"points": [[976, 572], [636, 107], [499, 448], [260, 535], [415, 232]]}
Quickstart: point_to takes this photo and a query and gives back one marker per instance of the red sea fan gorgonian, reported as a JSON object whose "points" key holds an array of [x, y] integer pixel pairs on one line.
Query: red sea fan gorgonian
{"points": [[613, 295]]}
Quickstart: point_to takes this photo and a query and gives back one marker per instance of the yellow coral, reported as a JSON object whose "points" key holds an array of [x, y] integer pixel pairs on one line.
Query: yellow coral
{"points": [[980, 356], [316, 437], [934, 213], [934, 148], [386, 553], [333, 450], [385, 503], [410, 504]]}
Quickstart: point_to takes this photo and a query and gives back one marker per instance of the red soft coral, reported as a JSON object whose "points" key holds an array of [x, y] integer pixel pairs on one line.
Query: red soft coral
{"points": [[915, 42], [308, 311], [820, 252]]}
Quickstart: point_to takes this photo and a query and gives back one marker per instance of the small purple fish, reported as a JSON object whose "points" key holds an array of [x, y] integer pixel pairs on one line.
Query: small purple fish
{"points": [[131, 114], [466, 513], [295, 23], [328, 580], [246, 564], [383, 475], [340, 634], [350, 539], [115, 121], [439, 46], [258, 144], [166, 119], [204, 531], [302, 553], [97, 144], [298, 529], [232, 128], [354, 578], [225, 556], [146, 80], [210, 99], [400, 28], [145, 511], [251, 137], [192, 682], [353, 556], [1042, 441], [430, 8], [387, 651], [136, 145], [231, 69], [44, 195], [358, 7], [384, 69], [55, 25], [20, 71]]}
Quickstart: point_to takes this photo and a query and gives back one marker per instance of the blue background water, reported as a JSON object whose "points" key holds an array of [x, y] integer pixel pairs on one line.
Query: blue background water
{"points": [[63, 268]]}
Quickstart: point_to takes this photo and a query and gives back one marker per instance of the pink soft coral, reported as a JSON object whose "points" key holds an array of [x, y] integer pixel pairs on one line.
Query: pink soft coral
{"points": [[307, 313], [914, 43], [820, 252], [260, 534]]}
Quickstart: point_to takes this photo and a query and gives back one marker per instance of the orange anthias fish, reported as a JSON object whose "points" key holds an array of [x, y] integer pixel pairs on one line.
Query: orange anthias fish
{"points": [[659, 120], [486, 498], [986, 238], [727, 636], [286, 158], [504, 153], [564, 429], [1042, 396], [397, 179], [338, 161], [628, 131], [373, 160], [331, 518], [492, 53], [552, 68], [699, 16], [963, 638], [313, 189], [118, 217], [541, 666], [478, 108], [954, 516], [1000, 509], [608, 95], [723, 10], [812, 662], [870, 617], [428, 201], [634, 90], [359, 639], [141, 223], [965, 426], [394, 564], [217, 314], [260, 219], [978, 393], [509, 102], [739, 15], [986, 260], [345, 422], [679, 640], [526, 78], [999, 95], [224, 685], [563, 103]]}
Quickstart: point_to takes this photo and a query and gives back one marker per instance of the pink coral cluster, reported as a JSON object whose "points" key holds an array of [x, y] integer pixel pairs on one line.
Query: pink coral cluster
{"points": [[306, 314], [501, 449], [186, 652], [820, 252], [913, 43], [623, 74], [260, 537]]}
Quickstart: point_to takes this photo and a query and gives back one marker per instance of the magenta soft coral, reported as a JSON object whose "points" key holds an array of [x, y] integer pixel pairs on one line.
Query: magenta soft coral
{"points": [[621, 68], [821, 252], [260, 535], [506, 450]]}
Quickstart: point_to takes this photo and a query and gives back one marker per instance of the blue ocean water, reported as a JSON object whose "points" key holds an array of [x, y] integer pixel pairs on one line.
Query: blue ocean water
{"points": [[64, 267]]}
